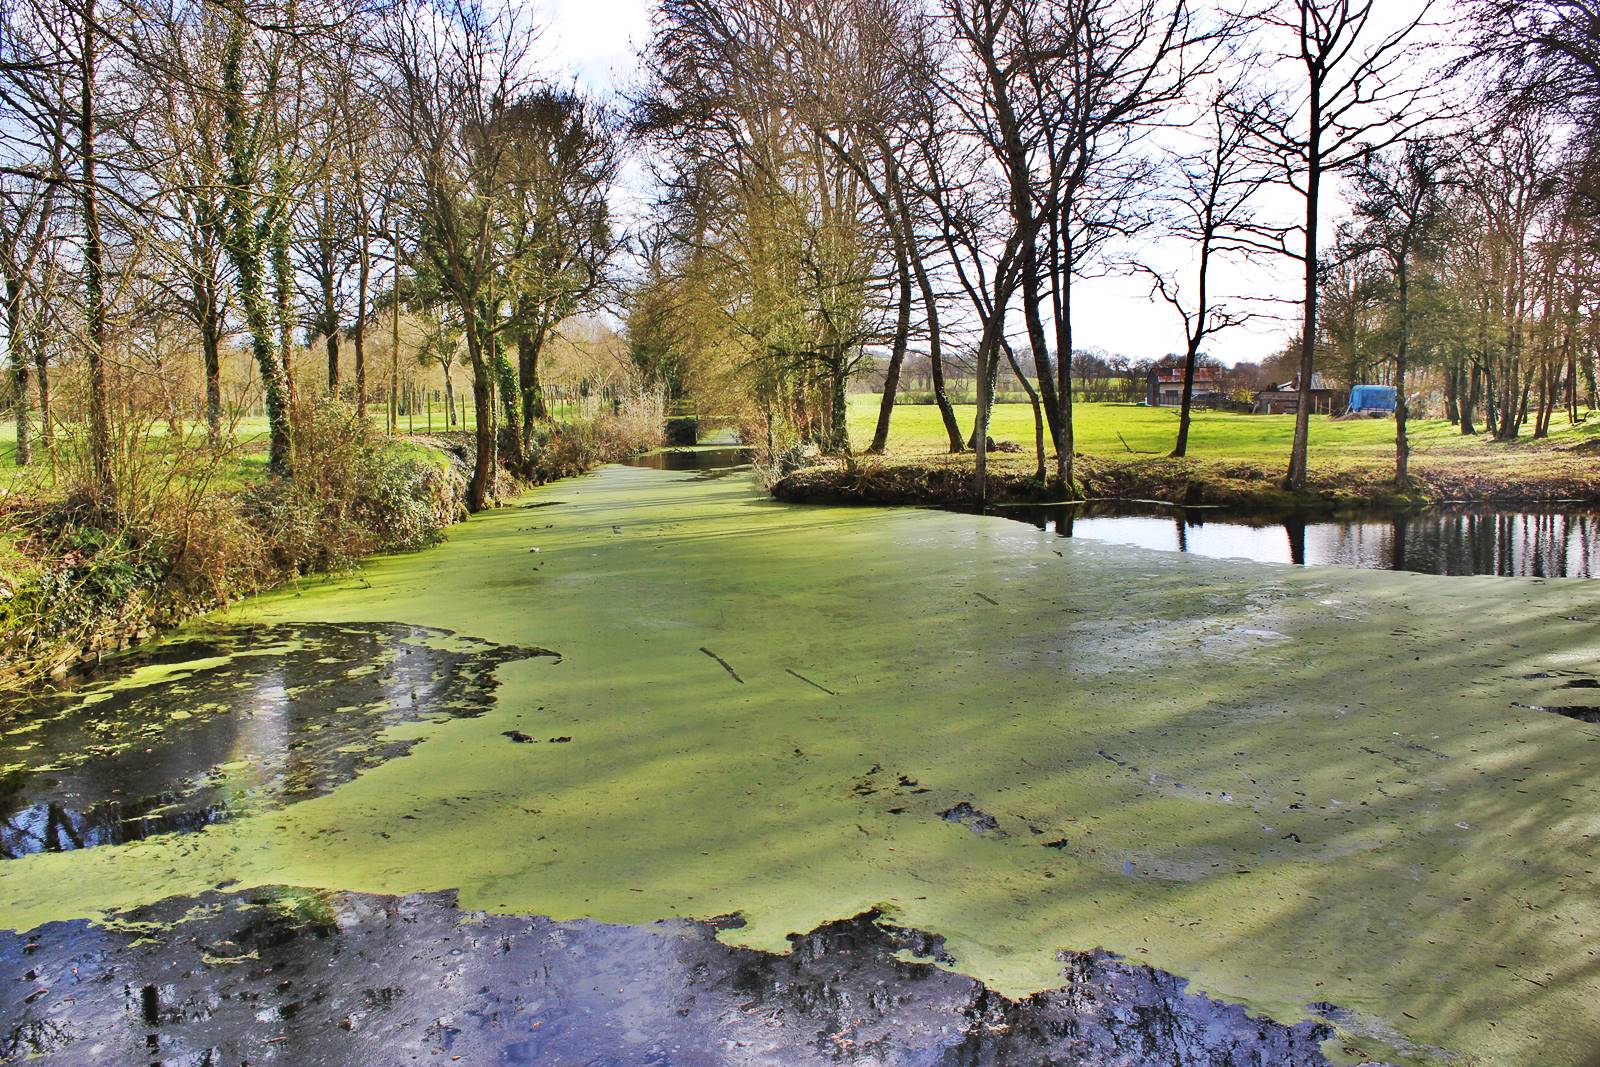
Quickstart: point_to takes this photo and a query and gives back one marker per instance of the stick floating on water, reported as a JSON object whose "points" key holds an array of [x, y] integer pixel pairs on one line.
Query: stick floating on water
{"points": [[725, 664], [809, 682]]}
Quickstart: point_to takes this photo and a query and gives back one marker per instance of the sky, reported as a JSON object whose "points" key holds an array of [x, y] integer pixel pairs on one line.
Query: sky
{"points": [[597, 43]]}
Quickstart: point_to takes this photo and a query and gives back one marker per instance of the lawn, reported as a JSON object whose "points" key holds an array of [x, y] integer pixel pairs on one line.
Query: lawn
{"points": [[251, 433], [1126, 430]]}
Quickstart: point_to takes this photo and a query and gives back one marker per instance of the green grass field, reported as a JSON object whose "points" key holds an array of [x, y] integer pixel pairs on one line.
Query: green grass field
{"points": [[250, 434], [251, 431], [1127, 430]]}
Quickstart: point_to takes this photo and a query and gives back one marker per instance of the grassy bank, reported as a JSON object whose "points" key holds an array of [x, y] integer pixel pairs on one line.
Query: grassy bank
{"points": [[197, 528], [1234, 460]]}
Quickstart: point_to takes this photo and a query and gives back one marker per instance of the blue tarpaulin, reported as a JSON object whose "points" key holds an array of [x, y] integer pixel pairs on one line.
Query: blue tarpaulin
{"points": [[1372, 398]]}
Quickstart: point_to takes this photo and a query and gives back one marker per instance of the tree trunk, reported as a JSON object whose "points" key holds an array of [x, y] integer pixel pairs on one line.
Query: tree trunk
{"points": [[330, 344], [211, 353], [209, 324], [394, 338], [282, 273], [1298, 460], [1065, 446], [480, 488], [1041, 471], [41, 374], [93, 270], [947, 412], [23, 409], [363, 278], [1180, 448], [1031, 299], [18, 362], [897, 355], [330, 324], [1197, 333], [1452, 393], [1469, 398], [987, 383], [530, 345], [22, 404], [980, 421], [839, 409], [505, 380], [1402, 445]]}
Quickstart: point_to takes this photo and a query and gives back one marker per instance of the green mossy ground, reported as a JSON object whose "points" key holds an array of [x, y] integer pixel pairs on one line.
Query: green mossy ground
{"points": [[1291, 786]]}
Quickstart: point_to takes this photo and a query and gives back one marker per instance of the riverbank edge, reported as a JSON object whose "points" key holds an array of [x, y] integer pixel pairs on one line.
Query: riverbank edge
{"points": [[127, 618], [883, 481]]}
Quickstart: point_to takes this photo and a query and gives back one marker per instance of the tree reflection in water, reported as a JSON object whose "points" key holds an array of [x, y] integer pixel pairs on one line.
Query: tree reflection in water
{"points": [[244, 718]]}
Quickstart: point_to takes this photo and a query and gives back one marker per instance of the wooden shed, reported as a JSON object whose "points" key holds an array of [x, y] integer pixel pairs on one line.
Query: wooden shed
{"points": [[1285, 399]]}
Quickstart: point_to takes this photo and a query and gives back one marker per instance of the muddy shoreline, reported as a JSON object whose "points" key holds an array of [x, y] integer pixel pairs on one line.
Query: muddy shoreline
{"points": [[280, 975]]}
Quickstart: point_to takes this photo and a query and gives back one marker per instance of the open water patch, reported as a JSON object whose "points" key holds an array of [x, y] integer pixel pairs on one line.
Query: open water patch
{"points": [[313, 978], [1449, 540], [199, 729], [709, 461]]}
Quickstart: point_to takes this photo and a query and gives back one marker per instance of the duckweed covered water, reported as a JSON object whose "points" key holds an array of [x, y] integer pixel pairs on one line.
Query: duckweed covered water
{"points": [[1323, 795]]}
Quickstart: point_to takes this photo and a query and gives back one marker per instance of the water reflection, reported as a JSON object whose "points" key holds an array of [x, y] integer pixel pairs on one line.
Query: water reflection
{"points": [[302, 978], [710, 460], [184, 735], [1457, 541]]}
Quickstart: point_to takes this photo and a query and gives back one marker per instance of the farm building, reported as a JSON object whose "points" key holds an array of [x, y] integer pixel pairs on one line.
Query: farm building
{"points": [[1285, 399], [1164, 385]]}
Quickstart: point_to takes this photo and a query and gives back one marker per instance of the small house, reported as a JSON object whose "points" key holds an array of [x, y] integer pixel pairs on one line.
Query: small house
{"points": [[1285, 399], [1164, 385]]}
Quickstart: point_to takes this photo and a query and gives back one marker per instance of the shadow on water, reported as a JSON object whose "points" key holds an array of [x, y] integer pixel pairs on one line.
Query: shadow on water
{"points": [[1446, 540], [289, 976], [245, 718]]}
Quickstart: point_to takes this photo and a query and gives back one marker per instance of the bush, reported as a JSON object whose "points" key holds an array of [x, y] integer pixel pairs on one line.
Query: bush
{"points": [[77, 579], [95, 580], [560, 450], [352, 494]]}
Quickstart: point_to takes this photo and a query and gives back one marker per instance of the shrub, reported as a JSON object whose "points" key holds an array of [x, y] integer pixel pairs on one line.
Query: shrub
{"points": [[95, 579]]}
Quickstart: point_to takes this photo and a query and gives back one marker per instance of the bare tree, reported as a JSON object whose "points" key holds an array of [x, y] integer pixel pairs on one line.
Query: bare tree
{"points": [[1402, 204], [176, 144], [1068, 89], [1211, 208], [452, 67], [26, 209], [1362, 88], [562, 165]]}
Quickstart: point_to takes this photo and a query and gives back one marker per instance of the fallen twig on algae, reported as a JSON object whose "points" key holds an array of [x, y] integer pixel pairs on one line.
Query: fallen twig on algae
{"points": [[809, 682], [725, 664]]}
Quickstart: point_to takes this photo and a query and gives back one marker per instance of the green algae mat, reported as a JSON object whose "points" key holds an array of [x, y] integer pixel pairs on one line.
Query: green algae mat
{"points": [[1319, 793]]}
